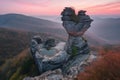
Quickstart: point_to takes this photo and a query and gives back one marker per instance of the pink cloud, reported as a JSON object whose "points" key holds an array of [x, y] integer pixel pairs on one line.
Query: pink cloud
{"points": [[53, 7], [111, 8], [25, 7]]}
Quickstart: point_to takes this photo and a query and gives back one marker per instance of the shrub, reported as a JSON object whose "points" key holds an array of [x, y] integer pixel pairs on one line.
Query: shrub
{"points": [[105, 68]]}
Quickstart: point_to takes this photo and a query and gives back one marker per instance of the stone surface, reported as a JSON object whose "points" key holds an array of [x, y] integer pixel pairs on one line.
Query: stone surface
{"points": [[75, 23], [59, 75], [63, 61], [49, 43]]}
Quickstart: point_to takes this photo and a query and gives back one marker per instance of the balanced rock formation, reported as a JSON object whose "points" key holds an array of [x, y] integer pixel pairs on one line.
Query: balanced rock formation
{"points": [[68, 57], [76, 46]]}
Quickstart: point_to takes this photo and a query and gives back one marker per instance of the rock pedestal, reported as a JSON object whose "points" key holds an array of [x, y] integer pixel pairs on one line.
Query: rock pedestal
{"points": [[75, 26]]}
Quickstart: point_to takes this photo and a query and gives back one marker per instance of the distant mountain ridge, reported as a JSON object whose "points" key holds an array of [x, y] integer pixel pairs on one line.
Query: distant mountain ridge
{"points": [[28, 23], [107, 28], [26, 19]]}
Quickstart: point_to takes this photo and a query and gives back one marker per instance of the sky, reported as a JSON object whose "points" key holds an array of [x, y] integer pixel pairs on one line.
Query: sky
{"points": [[54, 7]]}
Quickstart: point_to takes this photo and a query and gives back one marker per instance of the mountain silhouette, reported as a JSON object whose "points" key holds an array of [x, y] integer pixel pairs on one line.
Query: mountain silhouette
{"points": [[28, 23], [107, 28]]}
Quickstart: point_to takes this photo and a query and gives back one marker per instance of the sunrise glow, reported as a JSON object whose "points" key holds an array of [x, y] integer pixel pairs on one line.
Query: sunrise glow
{"points": [[54, 7]]}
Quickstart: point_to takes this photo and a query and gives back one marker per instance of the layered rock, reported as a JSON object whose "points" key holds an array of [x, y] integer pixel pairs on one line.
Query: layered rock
{"points": [[68, 58]]}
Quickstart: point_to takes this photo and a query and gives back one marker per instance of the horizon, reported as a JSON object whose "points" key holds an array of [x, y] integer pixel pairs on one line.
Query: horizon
{"points": [[57, 18], [44, 7]]}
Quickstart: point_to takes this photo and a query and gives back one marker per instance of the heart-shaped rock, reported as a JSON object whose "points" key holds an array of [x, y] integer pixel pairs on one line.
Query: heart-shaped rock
{"points": [[74, 24]]}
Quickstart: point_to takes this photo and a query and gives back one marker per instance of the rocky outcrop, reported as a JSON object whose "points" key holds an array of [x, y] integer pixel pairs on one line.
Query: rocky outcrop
{"points": [[58, 74], [68, 59]]}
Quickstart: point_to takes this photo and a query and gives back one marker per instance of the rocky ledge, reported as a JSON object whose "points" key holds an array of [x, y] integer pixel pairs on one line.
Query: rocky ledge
{"points": [[57, 74]]}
